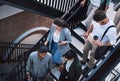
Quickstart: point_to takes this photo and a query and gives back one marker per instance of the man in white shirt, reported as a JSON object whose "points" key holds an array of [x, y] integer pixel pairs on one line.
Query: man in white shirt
{"points": [[98, 30], [93, 6]]}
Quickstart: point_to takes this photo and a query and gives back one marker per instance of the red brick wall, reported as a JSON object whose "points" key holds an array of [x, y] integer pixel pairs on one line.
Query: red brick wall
{"points": [[14, 26]]}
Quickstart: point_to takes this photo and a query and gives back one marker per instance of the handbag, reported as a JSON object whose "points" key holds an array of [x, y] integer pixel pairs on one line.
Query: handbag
{"points": [[102, 50]]}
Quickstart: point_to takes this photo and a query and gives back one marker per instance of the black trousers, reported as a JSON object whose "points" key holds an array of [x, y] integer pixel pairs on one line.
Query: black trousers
{"points": [[64, 75]]}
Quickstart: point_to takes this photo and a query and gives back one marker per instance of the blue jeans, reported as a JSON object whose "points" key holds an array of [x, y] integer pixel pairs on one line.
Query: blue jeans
{"points": [[56, 56], [54, 47]]}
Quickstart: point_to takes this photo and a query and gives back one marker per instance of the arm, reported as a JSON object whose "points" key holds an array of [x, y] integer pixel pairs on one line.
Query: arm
{"points": [[49, 34], [28, 67], [29, 64], [82, 3], [112, 35], [68, 37], [50, 64], [98, 43], [86, 34]]}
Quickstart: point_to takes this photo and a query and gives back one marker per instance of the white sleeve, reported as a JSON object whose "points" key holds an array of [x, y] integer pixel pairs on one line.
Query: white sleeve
{"points": [[112, 35]]}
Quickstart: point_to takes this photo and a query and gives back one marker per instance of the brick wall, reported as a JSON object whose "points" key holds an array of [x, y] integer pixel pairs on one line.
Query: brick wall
{"points": [[14, 26]]}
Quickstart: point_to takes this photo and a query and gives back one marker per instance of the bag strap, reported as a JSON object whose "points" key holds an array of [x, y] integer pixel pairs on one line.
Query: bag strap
{"points": [[106, 31]]}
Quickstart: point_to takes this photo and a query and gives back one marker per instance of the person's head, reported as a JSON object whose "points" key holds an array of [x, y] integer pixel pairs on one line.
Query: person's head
{"points": [[42, 51], [59, 22], [100, 17], [70, 54]]}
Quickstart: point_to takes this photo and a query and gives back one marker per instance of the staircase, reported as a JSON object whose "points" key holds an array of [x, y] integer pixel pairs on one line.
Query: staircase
{"points": [[12, 64], [73, 16]]}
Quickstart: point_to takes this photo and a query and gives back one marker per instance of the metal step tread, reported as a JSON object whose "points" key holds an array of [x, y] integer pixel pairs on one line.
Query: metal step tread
{"points": [[77, 44], [79, 31]]}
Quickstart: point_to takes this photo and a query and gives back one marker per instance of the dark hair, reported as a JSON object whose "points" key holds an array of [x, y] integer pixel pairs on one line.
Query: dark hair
{"points": [[59, 22], [43, 49], [99, 15], [70, 54]]}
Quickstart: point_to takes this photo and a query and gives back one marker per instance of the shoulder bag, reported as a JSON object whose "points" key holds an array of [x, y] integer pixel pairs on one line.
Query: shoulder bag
{"points": [[102, 50]]}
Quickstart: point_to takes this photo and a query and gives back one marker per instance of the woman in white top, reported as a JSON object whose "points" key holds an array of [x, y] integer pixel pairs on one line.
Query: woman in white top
{"points": [[58, 39]]}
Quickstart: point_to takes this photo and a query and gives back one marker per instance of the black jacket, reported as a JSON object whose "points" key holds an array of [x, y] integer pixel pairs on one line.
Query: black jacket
{"points": [[74, 71]]}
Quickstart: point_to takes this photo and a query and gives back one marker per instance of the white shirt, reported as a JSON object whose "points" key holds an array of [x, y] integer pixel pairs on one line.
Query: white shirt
{"points": [[56, 37], [111, 34], [69, 62], [95, 2]]}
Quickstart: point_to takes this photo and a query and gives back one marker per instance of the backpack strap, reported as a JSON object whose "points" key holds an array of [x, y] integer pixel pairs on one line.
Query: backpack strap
{"points": [[106, 31]]}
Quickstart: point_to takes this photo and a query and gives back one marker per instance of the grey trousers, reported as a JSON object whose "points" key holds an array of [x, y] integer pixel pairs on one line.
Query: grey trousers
{"points": [[86, 51], [90, 12]]}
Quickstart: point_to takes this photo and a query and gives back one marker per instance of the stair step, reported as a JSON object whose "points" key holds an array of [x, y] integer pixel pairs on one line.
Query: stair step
{"points": [[79, 31], [56, 72], [77, 44]]}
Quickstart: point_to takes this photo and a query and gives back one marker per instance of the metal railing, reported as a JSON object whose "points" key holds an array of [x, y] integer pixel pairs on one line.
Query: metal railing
{"points": [[62, 5], [12, 51], [75, 15], [20, 69], [102, 65]]}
